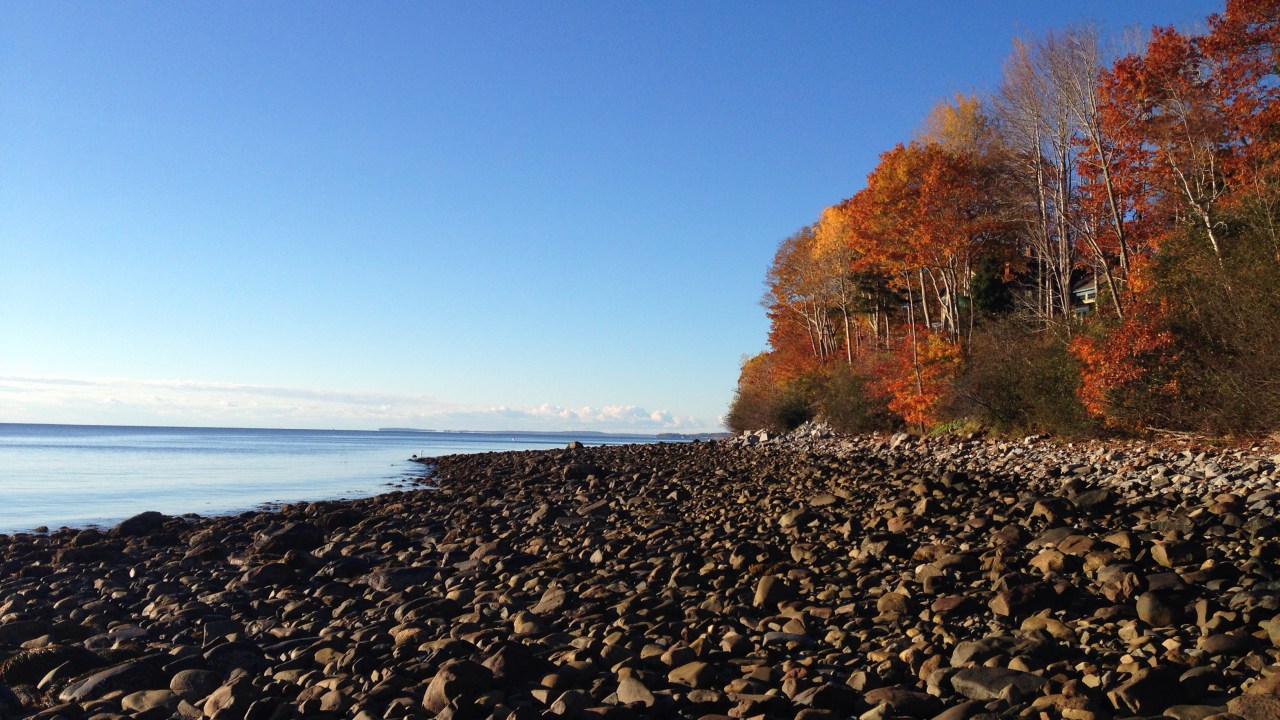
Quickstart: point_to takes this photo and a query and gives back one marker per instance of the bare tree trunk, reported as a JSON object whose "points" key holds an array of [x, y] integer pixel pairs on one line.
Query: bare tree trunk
{"points": [[848, 343], [915, 344], [924, 303]]}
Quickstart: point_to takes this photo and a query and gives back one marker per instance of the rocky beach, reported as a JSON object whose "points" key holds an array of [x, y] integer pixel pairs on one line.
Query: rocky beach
{"points": [[806, 576]]}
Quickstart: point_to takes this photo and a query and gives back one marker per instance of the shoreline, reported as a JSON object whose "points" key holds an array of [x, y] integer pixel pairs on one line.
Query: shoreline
{"points": [[808, 576], [400, 484], [77, 477]]}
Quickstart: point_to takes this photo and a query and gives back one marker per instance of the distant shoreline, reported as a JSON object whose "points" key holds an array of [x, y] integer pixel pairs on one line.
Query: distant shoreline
{"points": [[540, 433], [569, 433]]}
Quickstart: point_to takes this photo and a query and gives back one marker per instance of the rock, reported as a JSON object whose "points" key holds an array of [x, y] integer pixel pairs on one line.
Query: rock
{"points": [[16, 632], [126, 677], [907, 581], [1272, 627], [578, 471], [552, 601], [1233, 644], [399, 579], [269, 574], [334, 701], [232, 699], [1193, 712], [456, 680], [976, 651], [822, 500], [795, 518], [631, 690], [1052, 626], [1155, 610], [150, 700], [770, 591], [839, 699], [194, 684], [570, 704], [229, 657], [1017, 600], [27, 667], [1077, 545], [1255, 707], [905, 701], [293, 536], [963, 711], [892, 604], [10, 703], [948, 604], [513, 662], [694, 674], [1172, 555], [1048, 562], [989, 683], [785, 638], [1093, 498], [1147, 692], [880, 545], [88, 554], [1196, 682], [139, 525]]}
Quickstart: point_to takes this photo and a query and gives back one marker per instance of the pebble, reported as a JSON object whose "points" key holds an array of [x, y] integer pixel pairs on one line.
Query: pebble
{"points": [[806, 575]]}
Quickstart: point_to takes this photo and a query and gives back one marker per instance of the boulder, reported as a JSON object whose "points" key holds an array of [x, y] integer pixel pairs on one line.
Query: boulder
{"points": [[127, 677], [989, 683], [139, 525], [456, 681], [302, 537]]}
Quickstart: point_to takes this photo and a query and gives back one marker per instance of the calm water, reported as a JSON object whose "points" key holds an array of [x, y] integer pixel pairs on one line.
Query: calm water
{"points": [[80, 475]]}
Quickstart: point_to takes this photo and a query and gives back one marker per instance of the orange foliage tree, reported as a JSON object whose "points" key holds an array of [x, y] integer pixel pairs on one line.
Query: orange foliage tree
{"points": [[1128, 371], [1140, 174], [1243, 48], [920, 379]]}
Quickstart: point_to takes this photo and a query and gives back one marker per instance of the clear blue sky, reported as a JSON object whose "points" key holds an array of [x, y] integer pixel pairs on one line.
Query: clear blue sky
{"points": [[483, 215]]}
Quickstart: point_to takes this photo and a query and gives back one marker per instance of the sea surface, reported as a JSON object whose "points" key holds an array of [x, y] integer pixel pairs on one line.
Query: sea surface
{"points": [[93, 475]]}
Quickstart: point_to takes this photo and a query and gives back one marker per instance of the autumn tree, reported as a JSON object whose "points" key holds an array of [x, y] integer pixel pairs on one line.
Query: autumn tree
{"points": [[1110, 199], [1158, 173], [1040, 129], [1243, 45]]}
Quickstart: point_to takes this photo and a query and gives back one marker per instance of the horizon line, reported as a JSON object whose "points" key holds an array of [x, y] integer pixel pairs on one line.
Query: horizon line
{"points": [[374, 430]]}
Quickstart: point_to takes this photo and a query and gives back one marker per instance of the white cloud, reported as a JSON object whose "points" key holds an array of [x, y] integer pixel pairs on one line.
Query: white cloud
{"points": [[193, 402]]}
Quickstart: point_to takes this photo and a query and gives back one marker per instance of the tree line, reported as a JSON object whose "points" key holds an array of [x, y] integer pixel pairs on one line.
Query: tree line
{"points": [[1093, 245]]}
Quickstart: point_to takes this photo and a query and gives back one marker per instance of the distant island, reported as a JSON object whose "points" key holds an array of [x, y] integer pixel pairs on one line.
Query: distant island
{"points": [[694, 436], [566, 433], [505, 432]]}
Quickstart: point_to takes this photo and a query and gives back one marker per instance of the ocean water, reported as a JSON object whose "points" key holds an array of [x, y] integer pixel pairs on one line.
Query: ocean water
{"points": [[82, 475]]}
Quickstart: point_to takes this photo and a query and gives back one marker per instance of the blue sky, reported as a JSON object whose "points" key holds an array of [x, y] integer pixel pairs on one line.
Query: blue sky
{"points": [[492, 215]]}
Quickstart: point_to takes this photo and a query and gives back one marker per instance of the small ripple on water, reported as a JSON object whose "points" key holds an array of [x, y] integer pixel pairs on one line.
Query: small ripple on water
{"points": [[83, 476]]}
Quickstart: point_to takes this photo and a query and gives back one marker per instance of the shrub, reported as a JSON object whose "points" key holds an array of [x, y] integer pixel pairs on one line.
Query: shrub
{"points": [[1225, 320], [848, 402], [1016, 379], [763, 402]]}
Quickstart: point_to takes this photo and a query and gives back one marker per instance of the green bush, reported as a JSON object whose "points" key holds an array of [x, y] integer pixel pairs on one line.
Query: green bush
{"points": [[848, 403], [1017, 379], [765, 407], [1225, 316], [837, 394]]}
